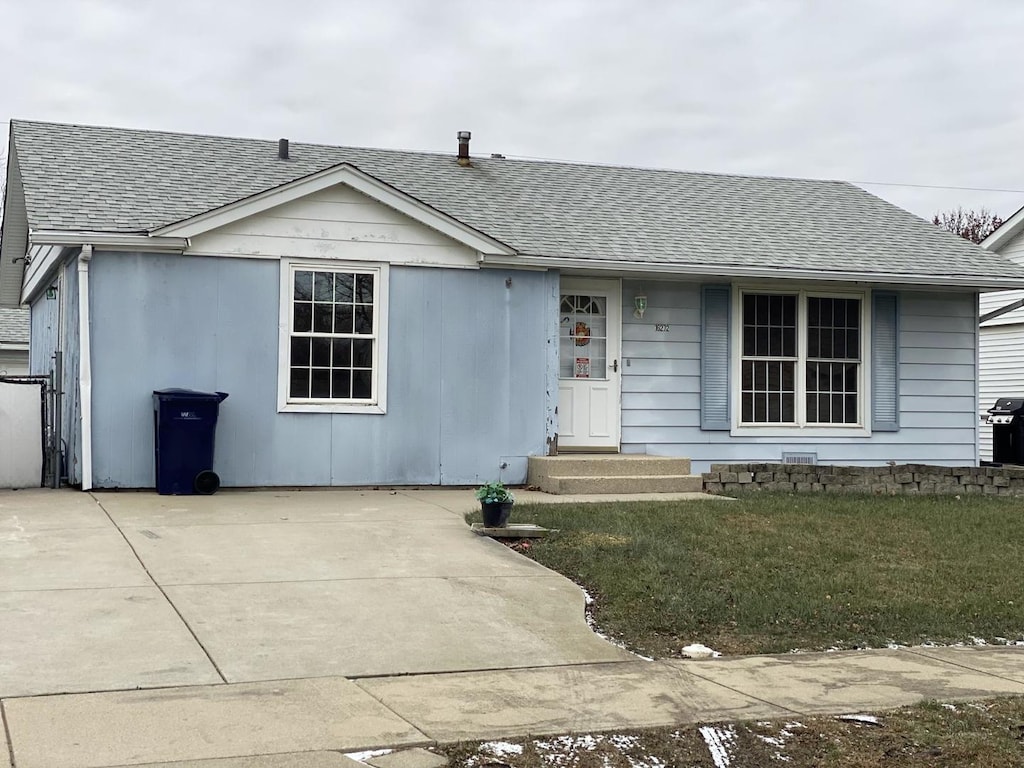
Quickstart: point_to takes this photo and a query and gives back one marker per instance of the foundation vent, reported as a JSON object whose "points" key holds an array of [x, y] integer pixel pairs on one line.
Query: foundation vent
{"points": [[799, 458]]}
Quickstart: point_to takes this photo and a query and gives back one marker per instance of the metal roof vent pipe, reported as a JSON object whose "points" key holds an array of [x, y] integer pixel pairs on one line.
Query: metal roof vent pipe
{"points": [[282, 148], [464, 137]]}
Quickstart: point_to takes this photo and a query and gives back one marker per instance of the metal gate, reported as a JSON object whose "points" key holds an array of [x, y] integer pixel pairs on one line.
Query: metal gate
{"points": [[29, 446]]}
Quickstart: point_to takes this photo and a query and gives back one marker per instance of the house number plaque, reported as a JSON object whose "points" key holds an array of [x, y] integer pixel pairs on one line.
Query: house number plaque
{"points": [[662, 328]]}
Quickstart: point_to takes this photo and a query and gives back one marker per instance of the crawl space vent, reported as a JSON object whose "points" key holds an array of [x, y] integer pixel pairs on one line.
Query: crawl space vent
{"points": [[799, 458]]}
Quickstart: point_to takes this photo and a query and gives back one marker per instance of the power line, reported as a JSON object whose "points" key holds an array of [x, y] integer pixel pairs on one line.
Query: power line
{"points": [[934, 186]]}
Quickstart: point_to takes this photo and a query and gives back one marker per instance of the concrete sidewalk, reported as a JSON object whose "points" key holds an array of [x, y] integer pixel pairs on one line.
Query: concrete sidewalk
{"points": [[307, 723]]}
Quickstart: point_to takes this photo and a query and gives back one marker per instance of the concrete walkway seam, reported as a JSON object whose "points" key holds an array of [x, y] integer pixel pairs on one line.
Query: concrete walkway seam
{"points": [[7, 758], [170, 602], [923, 653]]}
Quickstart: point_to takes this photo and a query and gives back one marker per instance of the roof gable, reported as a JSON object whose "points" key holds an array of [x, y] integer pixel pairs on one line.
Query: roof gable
{"points": [[337, 222], [1006, 232], [341, 174]]}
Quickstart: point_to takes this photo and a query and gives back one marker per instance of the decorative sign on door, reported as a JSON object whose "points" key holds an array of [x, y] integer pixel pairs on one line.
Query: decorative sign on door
{"points": [[583, 331]]}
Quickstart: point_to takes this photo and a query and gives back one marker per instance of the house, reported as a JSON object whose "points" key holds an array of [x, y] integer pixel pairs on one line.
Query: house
{"points": [[13, 342], [1001, 338], [388, 317]]}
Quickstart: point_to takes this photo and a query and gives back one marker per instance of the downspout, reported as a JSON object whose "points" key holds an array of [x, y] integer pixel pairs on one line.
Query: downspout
{"points": [[85, 365]]}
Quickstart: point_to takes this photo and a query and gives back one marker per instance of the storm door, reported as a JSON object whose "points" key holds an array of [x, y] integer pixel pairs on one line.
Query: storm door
{"points": [[589, 327]]}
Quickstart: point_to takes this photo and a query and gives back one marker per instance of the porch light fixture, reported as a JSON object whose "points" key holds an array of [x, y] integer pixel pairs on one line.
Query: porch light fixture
{"points": [[51, 292], [640, 302]]}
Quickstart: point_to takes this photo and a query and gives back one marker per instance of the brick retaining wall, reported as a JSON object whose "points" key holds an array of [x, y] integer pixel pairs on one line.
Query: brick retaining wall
{"points": [[888, 480]]}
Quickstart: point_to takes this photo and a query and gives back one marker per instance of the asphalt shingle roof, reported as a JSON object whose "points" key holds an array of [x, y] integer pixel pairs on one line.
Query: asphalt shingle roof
{"points": [[120, 180]]}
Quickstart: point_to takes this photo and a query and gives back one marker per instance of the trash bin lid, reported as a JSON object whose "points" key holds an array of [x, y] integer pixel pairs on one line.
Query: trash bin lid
{"points": [[175, 393]]}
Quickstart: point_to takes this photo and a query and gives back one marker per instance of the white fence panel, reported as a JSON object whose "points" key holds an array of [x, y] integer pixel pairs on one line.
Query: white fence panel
{"points": [[21, 435]]}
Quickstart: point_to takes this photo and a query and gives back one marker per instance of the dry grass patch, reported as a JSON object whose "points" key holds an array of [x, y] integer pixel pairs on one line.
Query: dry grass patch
{"points": [[930, 735]]}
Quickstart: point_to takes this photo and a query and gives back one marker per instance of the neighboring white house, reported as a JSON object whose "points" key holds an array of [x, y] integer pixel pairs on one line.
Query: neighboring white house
{"points": [[14, 341], [1001, 342]]}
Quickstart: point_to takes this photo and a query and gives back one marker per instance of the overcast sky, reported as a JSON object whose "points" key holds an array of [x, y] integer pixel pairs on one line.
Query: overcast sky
{"points": [[911, 92]]}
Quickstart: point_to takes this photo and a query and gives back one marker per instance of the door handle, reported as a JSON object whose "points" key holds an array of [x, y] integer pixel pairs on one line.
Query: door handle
{"points": [[615, 366]]}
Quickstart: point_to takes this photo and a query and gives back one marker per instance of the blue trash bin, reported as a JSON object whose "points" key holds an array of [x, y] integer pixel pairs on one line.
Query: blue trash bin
{"points": [[185, 422]]}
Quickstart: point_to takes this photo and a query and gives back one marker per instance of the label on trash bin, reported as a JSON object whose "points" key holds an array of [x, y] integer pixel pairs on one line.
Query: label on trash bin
{"points": [[189, 415]]}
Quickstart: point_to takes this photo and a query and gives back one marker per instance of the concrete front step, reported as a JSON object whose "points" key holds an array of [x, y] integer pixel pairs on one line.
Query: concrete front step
{"points": [[604, 465], [604, 484]]}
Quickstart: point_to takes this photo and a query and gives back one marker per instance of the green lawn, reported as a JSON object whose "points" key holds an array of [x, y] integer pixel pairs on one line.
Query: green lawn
{"points": [[769, 573]]}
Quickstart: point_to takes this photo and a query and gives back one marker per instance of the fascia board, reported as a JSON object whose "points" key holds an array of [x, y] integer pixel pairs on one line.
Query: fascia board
{"points": [[986, 283], [109, 241], [42, 263], [46, 248], [1010, 227], [358, 180]]}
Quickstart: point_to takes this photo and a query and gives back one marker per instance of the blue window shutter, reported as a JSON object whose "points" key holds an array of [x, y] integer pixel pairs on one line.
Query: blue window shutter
{"points": [[885, 363], [714, 357]]}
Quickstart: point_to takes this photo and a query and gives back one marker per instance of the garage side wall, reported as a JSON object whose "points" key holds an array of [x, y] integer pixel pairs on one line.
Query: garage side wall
{"points": [[54, 326], [467, 374]]}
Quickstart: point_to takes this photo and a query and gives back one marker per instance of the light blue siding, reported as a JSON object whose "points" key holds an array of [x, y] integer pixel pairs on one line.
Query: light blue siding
{"points": [[467, 374], [661, 400], [44, 316]]}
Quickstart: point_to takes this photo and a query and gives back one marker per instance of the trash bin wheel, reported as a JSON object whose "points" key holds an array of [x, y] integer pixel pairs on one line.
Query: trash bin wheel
{"points": [[206, 483]]}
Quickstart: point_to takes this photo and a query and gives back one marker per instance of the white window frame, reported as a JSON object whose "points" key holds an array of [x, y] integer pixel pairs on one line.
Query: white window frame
{"points": [[801, 428], [377, 404]]}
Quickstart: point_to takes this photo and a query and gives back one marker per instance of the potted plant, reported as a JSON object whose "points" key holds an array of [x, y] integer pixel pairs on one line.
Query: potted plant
{"points": [[496, 504]]}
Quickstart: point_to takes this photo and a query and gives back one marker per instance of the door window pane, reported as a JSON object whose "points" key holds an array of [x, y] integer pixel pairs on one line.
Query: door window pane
{"points": [[583, 337]]}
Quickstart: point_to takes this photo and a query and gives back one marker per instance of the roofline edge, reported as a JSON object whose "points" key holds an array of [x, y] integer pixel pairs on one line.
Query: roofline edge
{"points": [[993, 283]]}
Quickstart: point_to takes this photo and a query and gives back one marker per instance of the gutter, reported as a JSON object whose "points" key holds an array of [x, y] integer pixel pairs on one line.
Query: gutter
{"points": [[85, 365], [108, 240], [721, 272]]}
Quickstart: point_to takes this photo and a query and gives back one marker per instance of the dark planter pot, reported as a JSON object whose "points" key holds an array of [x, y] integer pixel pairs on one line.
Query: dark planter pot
{"points": [[496, 513]]}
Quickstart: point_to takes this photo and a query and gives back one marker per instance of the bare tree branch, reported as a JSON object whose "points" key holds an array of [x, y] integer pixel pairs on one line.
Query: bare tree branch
{"points": [[970, 225]]}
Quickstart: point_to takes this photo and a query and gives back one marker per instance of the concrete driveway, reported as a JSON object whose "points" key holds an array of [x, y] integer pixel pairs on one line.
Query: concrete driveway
{"points": [[117, 591]]}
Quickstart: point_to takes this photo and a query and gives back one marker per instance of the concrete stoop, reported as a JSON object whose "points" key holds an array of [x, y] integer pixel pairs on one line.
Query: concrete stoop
{"points": [[612, 474]]}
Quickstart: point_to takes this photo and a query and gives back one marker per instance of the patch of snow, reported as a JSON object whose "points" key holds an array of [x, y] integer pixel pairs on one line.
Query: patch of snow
{"points": [[584, 741], [362, 757], [978, 641], [698, 651], [779, 742], [501, 748], [624, 742], [719, 742], [647, 761], [866, 719], [950, 707]]}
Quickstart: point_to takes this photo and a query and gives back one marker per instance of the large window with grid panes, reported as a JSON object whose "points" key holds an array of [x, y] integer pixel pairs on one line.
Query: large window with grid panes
{"points": [[801, 359], [334, 323]]}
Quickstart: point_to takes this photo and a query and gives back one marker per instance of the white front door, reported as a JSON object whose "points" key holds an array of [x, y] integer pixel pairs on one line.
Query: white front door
{"points": [[589, 334]]}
